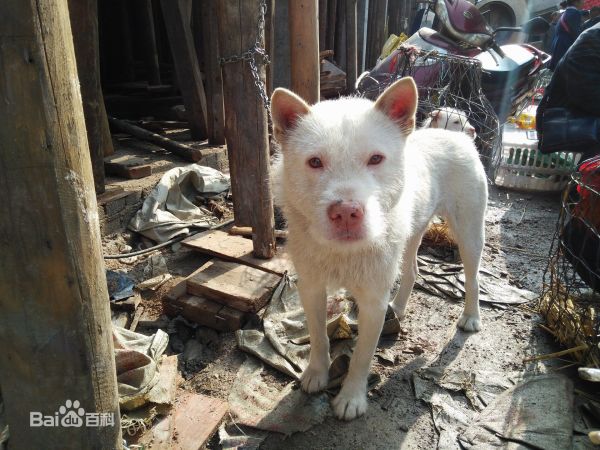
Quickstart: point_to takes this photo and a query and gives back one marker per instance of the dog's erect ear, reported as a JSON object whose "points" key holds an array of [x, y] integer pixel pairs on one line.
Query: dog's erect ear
{"points": [[286, 109], [399, 103]]}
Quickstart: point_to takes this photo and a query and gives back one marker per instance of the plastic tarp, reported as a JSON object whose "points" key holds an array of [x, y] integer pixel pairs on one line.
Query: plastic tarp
{"points": [[169, 209]]}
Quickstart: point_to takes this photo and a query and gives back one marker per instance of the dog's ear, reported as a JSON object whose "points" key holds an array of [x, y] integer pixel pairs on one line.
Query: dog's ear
{"points": [[286, 109], [399, 103]]}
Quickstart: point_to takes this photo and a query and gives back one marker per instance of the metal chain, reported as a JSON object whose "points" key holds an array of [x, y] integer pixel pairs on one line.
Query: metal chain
{"points": [[256, 56]]}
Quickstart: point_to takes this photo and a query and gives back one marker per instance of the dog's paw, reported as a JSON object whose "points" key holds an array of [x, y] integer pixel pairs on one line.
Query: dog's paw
{"points": [[469, 323], [350, 404], [400, 313], [314, 380]]}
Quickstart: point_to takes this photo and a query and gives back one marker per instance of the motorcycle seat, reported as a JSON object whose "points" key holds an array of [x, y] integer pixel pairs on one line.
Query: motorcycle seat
{"points": [[437, 39]]}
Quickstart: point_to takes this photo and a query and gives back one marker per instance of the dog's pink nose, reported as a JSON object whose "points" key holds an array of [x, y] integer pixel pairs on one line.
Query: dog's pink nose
{"points": [[346, 214]]}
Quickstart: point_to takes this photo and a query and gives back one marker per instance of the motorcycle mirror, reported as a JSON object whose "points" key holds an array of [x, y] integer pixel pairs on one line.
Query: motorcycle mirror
{"points": [[537, 25]]}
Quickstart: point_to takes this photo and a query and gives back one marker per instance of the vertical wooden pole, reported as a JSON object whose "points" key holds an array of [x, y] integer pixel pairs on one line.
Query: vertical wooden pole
{"points": [[376, 31], [126, 68], [304, 49], [246, 125], [206, 38], [55, 329], [322, 24], [148, 37], [270, 43], [177, 22], [331, 22], [351, 45], [84, 24], [340, 35]]}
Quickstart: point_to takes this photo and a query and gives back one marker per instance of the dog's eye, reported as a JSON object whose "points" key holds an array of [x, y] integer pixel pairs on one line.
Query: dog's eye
{"points": [[456, 122], [315, 163], [375, 159]]}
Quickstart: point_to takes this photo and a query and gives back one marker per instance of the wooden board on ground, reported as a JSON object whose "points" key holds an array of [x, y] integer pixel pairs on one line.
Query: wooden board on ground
{"points": [[111, 194], [237, 248], [236, 285], [127, 166], [207, 313], [195, 420]]}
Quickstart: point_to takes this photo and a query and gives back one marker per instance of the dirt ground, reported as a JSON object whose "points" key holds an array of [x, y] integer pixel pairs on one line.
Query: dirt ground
{"points": [[519, 229]]}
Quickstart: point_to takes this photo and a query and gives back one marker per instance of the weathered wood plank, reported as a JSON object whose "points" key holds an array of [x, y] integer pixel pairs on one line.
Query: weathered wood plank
{"points": [[206, 37], [238, 286], [84, 23], [175, 13], [246, 125], [351, 45], [195, 419], [238, 249], [148, 37], [304, 49], [55, 324], [186, 152], [126, 166], [209, 313]]}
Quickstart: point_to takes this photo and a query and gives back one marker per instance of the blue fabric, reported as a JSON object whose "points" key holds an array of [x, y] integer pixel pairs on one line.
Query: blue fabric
{"points": [[567, 30]]}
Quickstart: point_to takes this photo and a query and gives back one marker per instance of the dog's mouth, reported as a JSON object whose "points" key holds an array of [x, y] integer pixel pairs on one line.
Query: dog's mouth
{"points": [[347, 236]]}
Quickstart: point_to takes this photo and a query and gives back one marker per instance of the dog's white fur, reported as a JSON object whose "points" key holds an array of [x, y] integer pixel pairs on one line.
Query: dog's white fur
{"points": [[450, 119], [424, 172]]}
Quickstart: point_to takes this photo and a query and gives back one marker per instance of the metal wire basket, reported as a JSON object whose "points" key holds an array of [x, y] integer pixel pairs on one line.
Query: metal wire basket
{"points": [[443, 81], [571, 296]]}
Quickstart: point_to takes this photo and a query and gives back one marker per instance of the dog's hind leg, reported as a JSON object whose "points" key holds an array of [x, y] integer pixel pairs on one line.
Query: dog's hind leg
{"points": [[351, 402], [469, 231], [314, 301], [408, 275]]}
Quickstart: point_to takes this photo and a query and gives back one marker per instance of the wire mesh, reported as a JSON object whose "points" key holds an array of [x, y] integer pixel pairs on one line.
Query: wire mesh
{"points": [[571, 296], [444, 81]]}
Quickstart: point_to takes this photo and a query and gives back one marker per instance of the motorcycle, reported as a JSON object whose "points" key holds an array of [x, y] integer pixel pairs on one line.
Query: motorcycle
{"points": [[509, 71]]}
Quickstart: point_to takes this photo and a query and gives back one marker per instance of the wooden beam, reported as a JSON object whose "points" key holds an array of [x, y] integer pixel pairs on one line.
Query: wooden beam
{"points": [[84, 24], [270, 43], [206, 37], [376, 31], [175, 13], [322, 25], [351, 45], [331, 23], [246, 125], [339, 48], [148, 37], [55, 327], [304, 49], [186, 152]]}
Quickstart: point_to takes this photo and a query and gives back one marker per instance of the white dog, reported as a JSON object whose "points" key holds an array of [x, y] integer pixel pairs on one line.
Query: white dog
{"points": [[358, 186], [450, 119]]}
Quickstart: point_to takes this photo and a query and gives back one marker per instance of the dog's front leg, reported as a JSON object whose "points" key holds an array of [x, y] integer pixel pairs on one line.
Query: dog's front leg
{"points": [[314, 301], [351, 402]]}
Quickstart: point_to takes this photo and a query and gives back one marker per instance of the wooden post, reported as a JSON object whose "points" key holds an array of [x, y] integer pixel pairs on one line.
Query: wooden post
{"points": [[351, 45], [246, 125], [322, 24], [175, 13], [126, 68], [206, 37], [376, 32], [304, 49], [331, 22], [270, 43], [84, 20], [148, 36], [55, 328], [340, 36]]}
